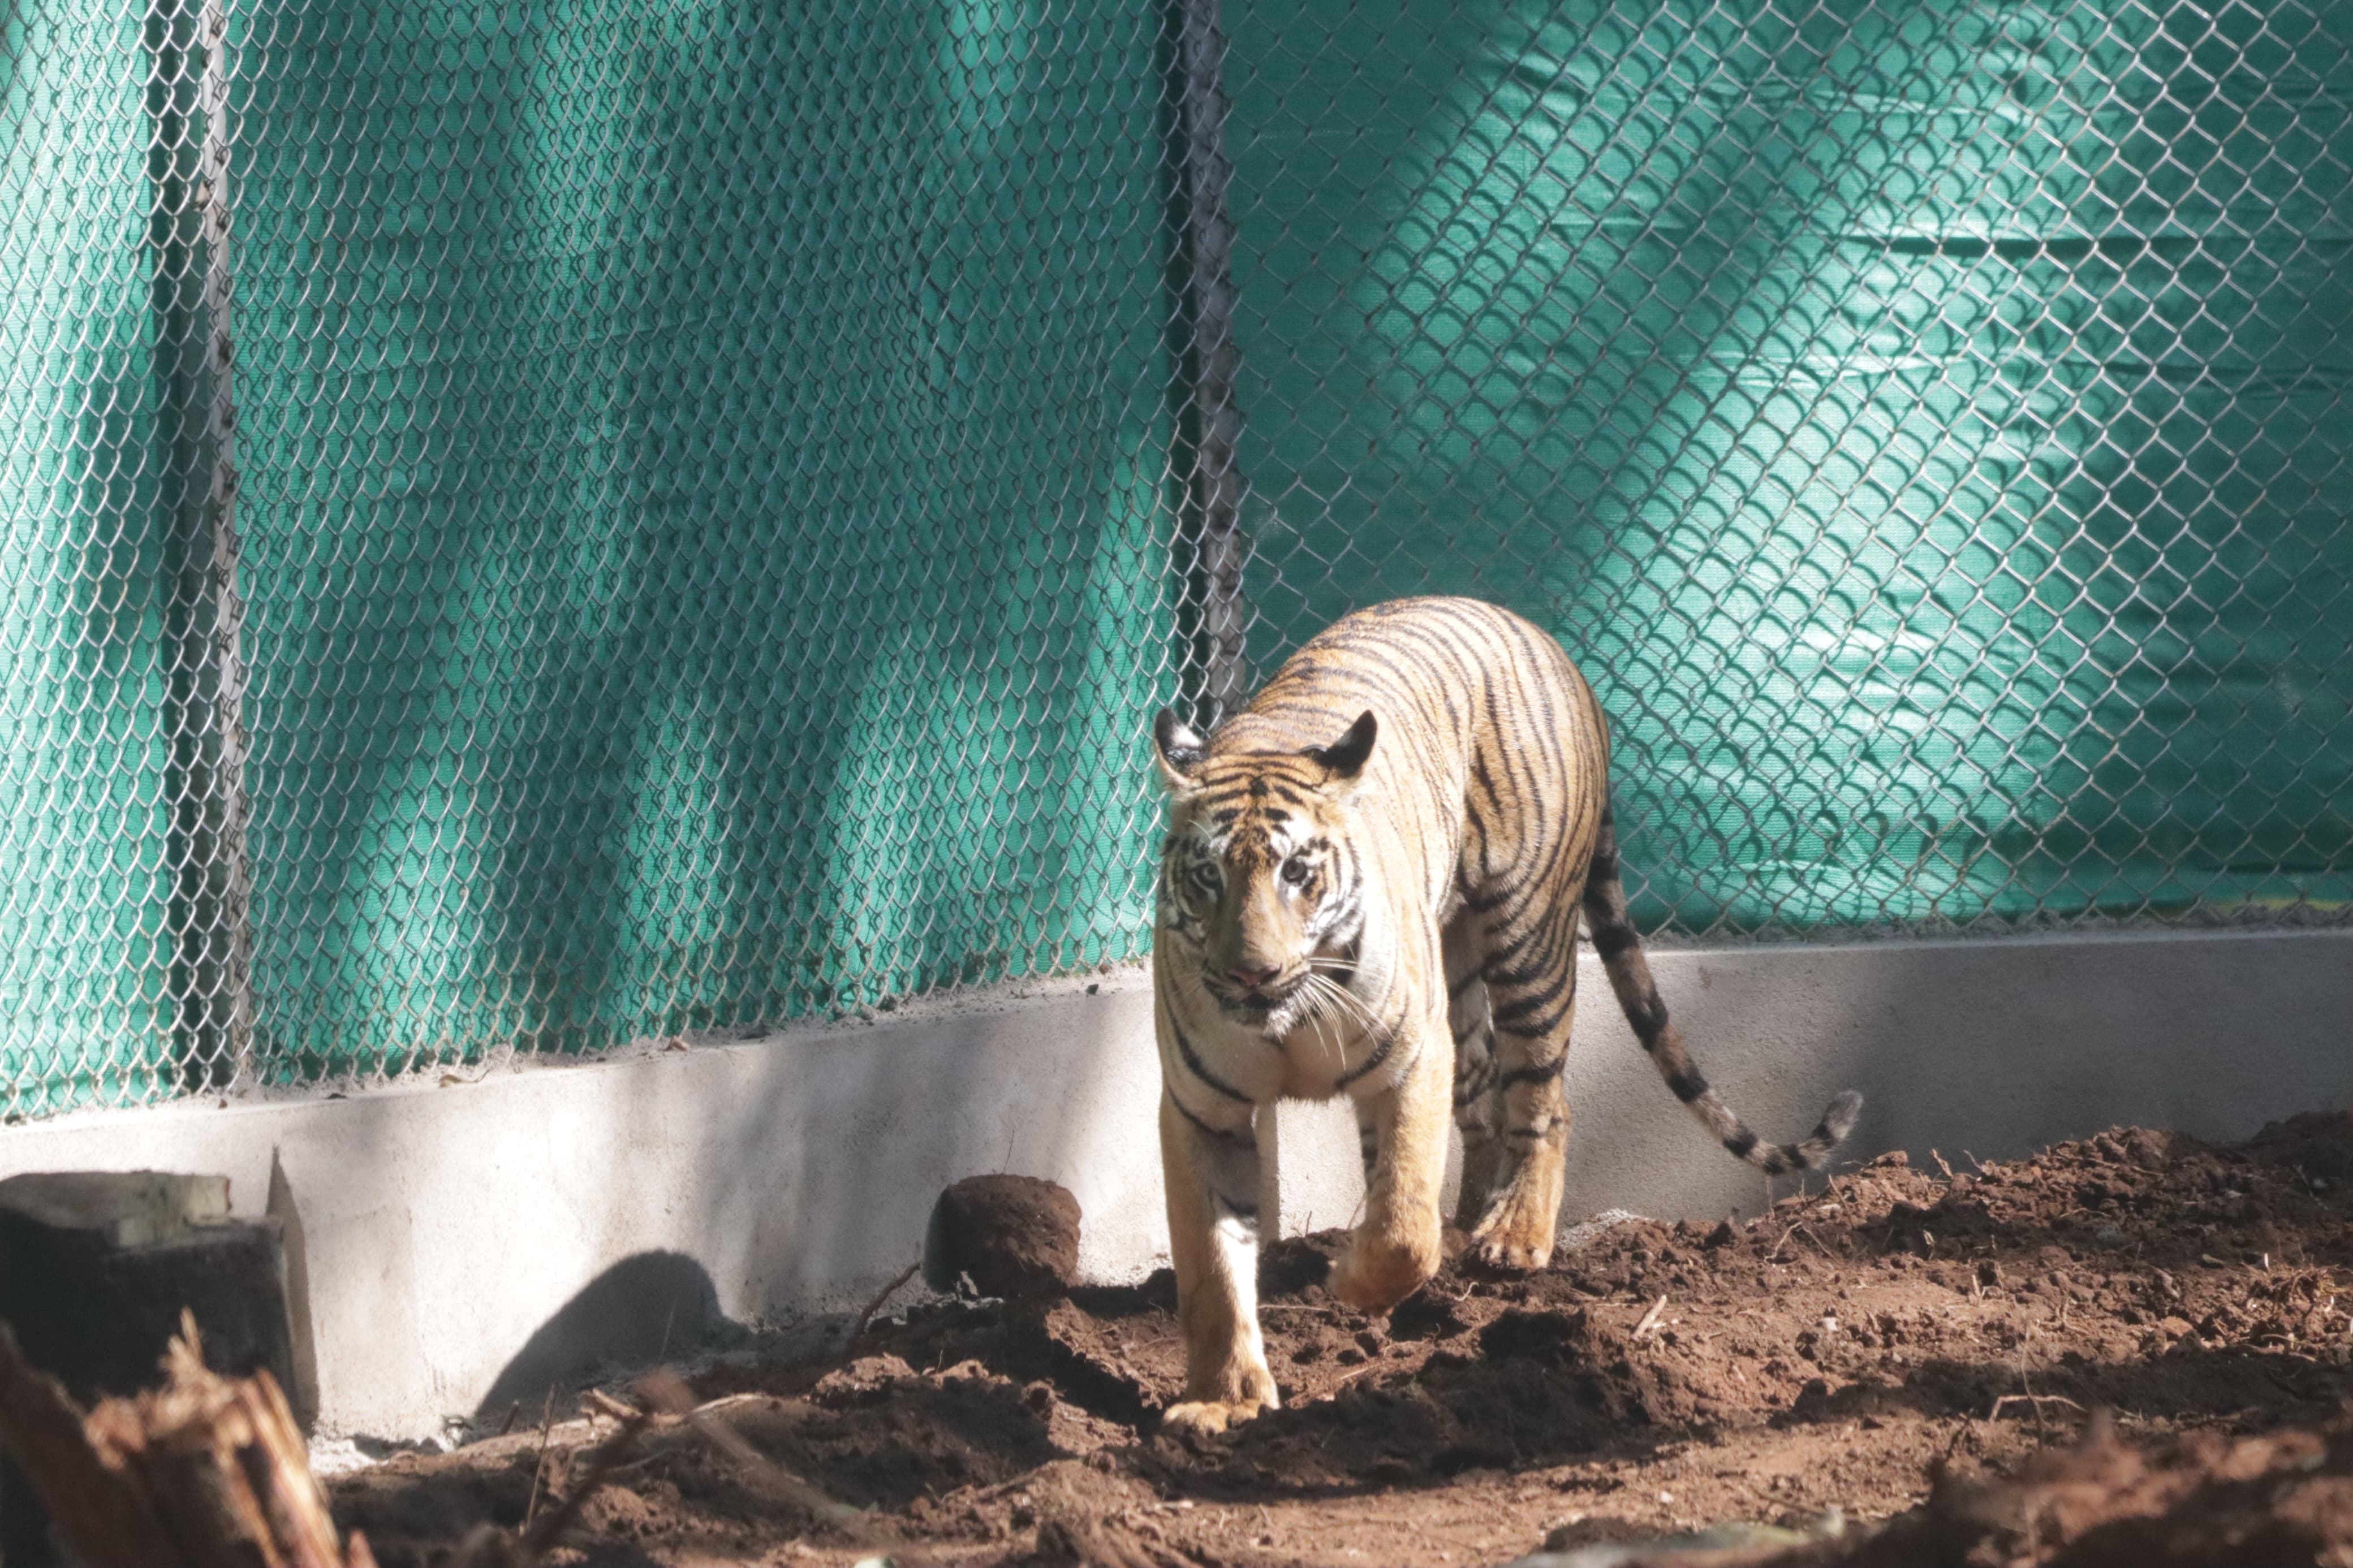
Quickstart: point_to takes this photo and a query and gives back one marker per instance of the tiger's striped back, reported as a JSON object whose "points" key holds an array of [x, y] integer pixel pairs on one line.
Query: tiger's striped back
{"points": [[1493, 784]]}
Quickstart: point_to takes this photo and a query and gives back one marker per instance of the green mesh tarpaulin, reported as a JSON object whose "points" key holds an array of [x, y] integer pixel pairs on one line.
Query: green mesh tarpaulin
{"points": [[714, 498], [83, 888], [1925, 422], [706, 492]]}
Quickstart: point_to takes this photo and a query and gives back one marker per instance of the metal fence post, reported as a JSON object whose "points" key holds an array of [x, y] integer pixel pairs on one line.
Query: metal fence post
{"points": [[212, 981], [1216, 487]]}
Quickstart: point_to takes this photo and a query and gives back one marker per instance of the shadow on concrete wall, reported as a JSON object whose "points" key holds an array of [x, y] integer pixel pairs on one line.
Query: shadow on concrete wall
{"points": [[641, 1311]]}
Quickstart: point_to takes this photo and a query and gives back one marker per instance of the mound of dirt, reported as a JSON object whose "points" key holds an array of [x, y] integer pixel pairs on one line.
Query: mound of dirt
{"points": [[2201, 1501], [1833, 1354]]}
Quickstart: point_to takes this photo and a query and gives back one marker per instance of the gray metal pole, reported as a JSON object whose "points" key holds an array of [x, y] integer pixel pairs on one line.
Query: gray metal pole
{"points": [[1216, 489], [212, 894]]}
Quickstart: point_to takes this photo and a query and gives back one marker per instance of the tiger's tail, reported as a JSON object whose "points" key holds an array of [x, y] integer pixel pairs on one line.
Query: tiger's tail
{"points": [[1620, 952]]}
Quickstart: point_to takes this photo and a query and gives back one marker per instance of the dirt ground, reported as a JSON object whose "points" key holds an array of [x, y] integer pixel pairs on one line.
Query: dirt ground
{"points": [[1821, 1369]]}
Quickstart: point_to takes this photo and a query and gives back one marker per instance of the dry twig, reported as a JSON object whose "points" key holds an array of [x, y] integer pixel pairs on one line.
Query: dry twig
{"points": [[604, 1405], [885, 1294], [602, 1462], [539, 1471]]}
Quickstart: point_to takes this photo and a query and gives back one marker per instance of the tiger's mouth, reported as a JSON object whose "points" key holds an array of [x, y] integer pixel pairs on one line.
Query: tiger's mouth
{"points": [[1255, 1004], [1290, 999]]}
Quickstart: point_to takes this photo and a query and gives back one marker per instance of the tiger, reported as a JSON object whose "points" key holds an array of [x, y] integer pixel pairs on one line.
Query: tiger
{"points": [[1370, 886]]}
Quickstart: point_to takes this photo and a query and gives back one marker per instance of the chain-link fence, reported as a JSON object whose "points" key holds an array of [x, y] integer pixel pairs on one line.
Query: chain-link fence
{"points": [[1925, 422], [541, 523]]}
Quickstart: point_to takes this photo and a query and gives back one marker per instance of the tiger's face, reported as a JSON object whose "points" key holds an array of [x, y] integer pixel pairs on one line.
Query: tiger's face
{"points": [[1258, 884]]}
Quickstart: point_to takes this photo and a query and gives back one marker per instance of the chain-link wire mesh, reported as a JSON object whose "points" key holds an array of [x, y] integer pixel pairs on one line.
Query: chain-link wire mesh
{"points": [[536, 525], [702, 536], [122, 816], [1925, 422]]}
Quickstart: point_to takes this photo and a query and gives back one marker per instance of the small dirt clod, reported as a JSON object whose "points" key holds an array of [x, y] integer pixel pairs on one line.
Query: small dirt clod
{"points": [[1015, 1236]]}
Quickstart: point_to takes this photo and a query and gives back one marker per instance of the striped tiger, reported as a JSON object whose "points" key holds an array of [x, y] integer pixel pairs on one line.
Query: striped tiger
{"points": [[1384, 854]]}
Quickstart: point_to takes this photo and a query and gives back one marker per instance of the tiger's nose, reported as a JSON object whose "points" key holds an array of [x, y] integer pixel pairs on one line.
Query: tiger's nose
{"points": [[1256, 979]]}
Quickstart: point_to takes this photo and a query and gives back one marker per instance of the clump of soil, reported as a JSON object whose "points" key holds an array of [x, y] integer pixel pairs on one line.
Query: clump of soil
{"points": [[1834, 1353], [2199, 1501], [1006, 1236]]}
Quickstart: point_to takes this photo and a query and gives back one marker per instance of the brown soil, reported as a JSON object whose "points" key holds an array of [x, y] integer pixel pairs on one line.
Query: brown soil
{"points": [[1841, 1352], [1003, 1236], [2282, 1498]]}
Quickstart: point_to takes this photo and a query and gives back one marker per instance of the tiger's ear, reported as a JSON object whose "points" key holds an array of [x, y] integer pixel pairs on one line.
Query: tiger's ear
{"points": [[1344, 758], [1177, 749]]}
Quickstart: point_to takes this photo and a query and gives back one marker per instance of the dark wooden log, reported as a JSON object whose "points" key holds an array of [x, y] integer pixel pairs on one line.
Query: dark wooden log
{"points": [[204, 1472], [96, 1272]]}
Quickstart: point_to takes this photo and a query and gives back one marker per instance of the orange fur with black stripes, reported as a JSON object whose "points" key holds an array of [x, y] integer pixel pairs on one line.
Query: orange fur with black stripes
{"points": [[1370, 886]]}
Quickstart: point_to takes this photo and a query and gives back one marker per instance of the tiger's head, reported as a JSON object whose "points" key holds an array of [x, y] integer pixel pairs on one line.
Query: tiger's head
{"points": [[1260, 882]]}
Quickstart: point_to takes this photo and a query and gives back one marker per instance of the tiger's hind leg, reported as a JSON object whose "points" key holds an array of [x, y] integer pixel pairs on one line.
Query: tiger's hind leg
{"points": [[1531, 985], [1478, 1105]]}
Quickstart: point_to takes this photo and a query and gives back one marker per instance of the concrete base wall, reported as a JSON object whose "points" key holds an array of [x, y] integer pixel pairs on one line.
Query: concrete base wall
{"points": [[463, 1243], [1994, 1047]]}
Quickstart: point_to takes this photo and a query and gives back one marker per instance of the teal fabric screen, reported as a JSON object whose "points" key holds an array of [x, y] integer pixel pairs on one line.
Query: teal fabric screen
{"points": [[708, 510], [712, 478], [1925, 422], [84, 954]]}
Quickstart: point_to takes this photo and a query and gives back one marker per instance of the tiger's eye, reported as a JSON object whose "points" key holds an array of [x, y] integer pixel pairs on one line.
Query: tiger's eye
{"points": [[1295, 870]]}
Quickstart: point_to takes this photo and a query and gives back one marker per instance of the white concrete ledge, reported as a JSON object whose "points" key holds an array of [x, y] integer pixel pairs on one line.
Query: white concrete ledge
{"points": [[1994, 1047], [461, 1242]]}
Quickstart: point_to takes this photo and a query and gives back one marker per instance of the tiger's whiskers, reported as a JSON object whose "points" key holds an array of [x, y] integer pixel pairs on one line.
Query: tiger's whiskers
{"points": [[1327, 998]]}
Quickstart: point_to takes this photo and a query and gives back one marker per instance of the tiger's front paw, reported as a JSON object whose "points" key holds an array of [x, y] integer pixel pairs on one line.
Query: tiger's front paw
{"points": [[1205, 1417], [1507, 1257], [1254, 1392], [1375, 1273]]}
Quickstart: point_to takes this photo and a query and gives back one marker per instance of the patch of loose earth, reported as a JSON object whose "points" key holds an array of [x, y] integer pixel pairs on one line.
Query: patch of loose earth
{"points": [[1830, 1354]]}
